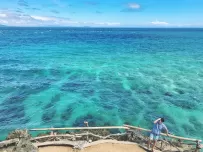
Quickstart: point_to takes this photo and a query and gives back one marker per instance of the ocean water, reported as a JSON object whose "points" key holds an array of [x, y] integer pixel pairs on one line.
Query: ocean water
{"points": [[59, 77]]}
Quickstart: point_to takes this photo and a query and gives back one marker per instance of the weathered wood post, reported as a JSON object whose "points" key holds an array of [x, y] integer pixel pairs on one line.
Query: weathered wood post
{"points": [[87, 125], [198, 146]]}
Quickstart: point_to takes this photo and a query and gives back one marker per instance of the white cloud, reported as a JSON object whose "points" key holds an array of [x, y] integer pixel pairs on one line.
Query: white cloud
{"points": [[159, 23], [134, 6], [107, 23], [15, 19], [12, 18], [113, 23], [54, 20], [42, 18], [19, 19], [2, 15], [3, 22]]}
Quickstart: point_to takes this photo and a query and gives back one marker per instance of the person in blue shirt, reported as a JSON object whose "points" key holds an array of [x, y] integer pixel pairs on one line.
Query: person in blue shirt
{"points": [[156, 131]]}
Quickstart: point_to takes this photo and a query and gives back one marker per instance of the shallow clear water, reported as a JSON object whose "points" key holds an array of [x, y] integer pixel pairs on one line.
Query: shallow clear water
{"points": [[62, 76]]}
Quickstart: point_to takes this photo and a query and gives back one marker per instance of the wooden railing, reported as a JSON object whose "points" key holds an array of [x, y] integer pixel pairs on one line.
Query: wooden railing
{"points": [[126, 127], [114, 127], [8, 142], [79, 128], [171, 136]]}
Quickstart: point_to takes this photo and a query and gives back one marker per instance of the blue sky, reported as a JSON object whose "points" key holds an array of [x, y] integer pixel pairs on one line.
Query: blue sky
{"points": [[102, 13]]}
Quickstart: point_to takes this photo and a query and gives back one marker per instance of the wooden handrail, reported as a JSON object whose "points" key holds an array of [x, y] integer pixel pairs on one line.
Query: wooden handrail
{"points": [[113, 127], [76, 136], [50, 136], [172, 136], [79, 128], [8, 142]]}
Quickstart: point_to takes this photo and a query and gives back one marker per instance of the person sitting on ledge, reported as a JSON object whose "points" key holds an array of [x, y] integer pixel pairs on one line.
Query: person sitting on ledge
{"points": [[156, 131]]}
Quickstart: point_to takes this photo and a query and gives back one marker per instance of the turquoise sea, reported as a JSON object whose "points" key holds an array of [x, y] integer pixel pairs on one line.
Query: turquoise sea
{"points": [[59, 77]]}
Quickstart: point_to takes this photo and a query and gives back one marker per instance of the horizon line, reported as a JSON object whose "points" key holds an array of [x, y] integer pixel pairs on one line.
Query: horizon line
{"points": [[4, 26]]}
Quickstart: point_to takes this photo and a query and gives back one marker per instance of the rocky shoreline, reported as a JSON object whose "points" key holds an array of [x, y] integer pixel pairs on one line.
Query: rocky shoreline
{"points": [[22, 141]]}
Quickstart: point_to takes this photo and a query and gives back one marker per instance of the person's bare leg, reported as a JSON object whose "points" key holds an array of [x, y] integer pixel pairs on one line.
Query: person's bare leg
{"points": [[154, 144], [149, 143]]}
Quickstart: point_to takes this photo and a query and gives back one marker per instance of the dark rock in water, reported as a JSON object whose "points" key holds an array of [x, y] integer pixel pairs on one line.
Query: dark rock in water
{"points": [[53, 101], [107, 124], [4, 89], [21, 94], [130, 78], [88, 93], [68, 72], [107, 106], [79, 122], [33, 87], [76, 76], [18, 115], [149, 116], [120, 92], [168, 94], [179, 91], [49, 105], [78, 82], [10, 72], [9, 109], [73, 86], [188, 128], [32, 71], [147, 92], [67, 113], [25, 120], [38, 87], [121, 110], [127, 104], [14, 99], [127, 123], [12, 109], [8, 61], [107, 98], [184, 104], [73, 77], [197, 124], [89, 116], [58, 126], [49, 115], [55, 72], [196, 98], [56, 98], [169, 119]]}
